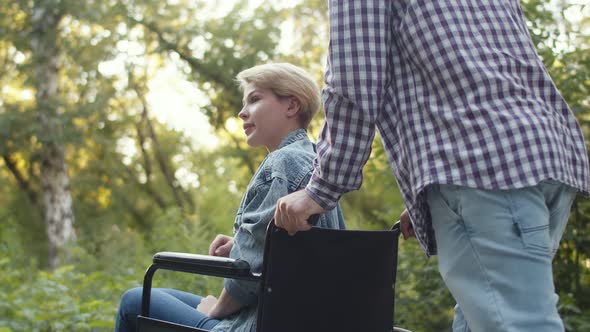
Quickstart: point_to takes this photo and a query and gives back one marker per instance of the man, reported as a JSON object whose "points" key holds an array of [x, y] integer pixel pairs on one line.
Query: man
{"points": [[486, 152]]}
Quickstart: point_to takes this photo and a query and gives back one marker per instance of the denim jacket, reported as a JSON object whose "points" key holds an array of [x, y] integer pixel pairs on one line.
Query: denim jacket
{"points": [[283, 171]]}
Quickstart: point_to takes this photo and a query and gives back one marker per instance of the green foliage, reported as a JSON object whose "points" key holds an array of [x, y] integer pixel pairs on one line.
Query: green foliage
{"points": [[63, 300], [421, 290], [126, 168]]}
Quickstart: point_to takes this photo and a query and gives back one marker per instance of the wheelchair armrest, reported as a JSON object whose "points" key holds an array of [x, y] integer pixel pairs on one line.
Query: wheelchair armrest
{"points": [[203, 264], [193, 263]]}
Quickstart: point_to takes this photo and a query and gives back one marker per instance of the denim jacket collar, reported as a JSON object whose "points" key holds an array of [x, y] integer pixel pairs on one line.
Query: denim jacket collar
{"points": [[293, 136]]}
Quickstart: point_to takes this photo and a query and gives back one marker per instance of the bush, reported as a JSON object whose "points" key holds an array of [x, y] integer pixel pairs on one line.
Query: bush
{"points": [[63, 300]]}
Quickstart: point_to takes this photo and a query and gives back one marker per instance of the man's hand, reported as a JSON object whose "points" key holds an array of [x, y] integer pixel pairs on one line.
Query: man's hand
{"points": [[294, 210], [221, 246], [406, 225], [207, 304]]}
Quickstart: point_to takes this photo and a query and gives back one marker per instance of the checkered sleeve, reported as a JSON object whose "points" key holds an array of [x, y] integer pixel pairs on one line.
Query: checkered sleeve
{"points": [[356, 78]]}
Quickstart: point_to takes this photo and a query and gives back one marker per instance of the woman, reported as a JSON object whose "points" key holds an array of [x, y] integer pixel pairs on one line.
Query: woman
{"points": [[279, 102]]}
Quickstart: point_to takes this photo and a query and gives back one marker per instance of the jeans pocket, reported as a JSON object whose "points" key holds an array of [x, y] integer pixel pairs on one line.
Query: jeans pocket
{"points": [[534, 233], [443, 202]]}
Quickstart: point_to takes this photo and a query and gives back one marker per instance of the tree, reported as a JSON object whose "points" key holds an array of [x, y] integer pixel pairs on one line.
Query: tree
{"points": [[57, 201]]}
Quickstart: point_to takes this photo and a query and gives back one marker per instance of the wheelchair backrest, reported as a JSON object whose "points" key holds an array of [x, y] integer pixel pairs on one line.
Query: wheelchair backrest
{"points": [[328, 280]]}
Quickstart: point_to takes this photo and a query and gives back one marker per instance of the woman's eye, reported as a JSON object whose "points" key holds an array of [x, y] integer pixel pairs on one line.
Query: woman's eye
{"points": [[254, 99]]}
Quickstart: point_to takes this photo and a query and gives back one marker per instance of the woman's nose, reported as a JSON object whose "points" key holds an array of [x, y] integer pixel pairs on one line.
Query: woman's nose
{"points": [[243, 113]]}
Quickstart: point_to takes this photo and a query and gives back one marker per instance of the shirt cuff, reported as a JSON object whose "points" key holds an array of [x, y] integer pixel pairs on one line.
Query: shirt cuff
{"points": [[323, 193], [242, 291]]}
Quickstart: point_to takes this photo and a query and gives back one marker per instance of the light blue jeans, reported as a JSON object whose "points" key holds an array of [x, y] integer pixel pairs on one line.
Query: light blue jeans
{"points": [[166, 304], [494, 253]]}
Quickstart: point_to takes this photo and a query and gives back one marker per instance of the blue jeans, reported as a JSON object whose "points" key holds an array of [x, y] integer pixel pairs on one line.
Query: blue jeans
{"points": [[495, 249], [166, 304]]}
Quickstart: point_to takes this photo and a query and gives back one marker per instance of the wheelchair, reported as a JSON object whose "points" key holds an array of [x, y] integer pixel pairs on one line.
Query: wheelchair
{"points": [[324, 280]]}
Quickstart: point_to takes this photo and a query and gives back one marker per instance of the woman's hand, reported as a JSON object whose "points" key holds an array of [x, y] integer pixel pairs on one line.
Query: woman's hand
{"points": [[219, 309], [207, 305], [221, 246]]}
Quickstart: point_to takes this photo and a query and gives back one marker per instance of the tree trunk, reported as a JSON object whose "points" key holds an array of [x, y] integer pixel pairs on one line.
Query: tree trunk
{"points": [[56, 197]]}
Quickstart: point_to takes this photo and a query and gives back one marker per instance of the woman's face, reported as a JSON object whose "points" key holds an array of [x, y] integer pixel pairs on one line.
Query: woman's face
{"points": [[267, 118]]}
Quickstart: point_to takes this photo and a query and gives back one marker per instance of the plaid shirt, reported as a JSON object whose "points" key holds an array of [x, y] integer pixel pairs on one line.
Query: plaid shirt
{"points": [[459, 96]]}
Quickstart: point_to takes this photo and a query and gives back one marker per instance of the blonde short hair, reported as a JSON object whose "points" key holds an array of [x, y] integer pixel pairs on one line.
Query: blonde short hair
{"points": [[286, 80]]}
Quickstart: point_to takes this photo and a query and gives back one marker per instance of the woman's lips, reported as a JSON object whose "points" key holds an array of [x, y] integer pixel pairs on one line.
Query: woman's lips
{"points": [[248, 127]]}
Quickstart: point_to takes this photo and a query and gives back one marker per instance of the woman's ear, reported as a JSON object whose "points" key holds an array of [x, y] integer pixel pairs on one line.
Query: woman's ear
{"points": [[294, 107]]}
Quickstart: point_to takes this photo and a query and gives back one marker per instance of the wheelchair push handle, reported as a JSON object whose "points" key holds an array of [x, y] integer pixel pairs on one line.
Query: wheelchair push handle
{"points": [[313, 219], [397, 226]]}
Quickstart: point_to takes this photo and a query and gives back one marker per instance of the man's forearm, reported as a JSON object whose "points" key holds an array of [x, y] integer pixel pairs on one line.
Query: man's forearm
{"points": [[357, 78]]}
